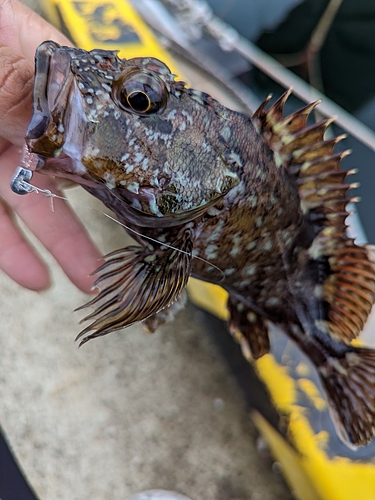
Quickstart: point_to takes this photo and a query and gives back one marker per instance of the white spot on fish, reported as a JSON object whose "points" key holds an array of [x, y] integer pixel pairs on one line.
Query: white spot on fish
{"points": [[110, 180], [133, 187], [250, 270], [125, 156], [278, 159], [164, 137], [136, 204], [251, 317], [235, 158], [188, 116], [252, 244], [237, 238], [171, 115], [138, 157], [128, 168], [93, 151], [217, 231], [225, 133], [206, 147], [235, 251], [272, 301], [154, 209], [262, 176], [267, 245], [213, 211], [253, 199], [92, 115], [210, 252]]}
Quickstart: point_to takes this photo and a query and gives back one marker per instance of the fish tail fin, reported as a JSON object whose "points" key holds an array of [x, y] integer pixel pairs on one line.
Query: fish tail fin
{"points": [[350, 385]]}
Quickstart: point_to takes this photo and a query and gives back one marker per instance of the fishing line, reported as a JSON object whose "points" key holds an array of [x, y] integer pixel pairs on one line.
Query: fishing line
{"points": [[33, 189]]}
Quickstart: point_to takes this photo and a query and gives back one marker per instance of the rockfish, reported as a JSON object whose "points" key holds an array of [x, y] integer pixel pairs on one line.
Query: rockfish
{"points": [[257, 205]]}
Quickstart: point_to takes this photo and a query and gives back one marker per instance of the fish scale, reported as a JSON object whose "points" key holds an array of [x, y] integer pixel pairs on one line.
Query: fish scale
{"points": [[257, 205]]}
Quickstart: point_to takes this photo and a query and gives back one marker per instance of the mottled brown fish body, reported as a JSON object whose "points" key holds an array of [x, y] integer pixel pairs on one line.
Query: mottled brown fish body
{"points": [[257, 205]]}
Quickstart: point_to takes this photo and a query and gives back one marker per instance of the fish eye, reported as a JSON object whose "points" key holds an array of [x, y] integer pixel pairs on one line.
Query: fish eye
{"points": [[139, 101], [139, 92]]}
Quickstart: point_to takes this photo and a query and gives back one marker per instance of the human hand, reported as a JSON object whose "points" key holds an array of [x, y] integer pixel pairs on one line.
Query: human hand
{"points": [[21, 31]]}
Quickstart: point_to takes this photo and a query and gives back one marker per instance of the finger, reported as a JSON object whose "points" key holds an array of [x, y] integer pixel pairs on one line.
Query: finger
{"points": [[59, 231], [17, 258], [16, 82], [4, 144], [23, 30]]}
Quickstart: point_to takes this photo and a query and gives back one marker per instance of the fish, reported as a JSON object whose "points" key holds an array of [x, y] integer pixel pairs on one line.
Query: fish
{"points": [[255, 204]]}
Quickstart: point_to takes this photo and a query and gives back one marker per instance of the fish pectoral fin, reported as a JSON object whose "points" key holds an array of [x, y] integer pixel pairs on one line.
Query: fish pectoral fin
{"points": [[349, 290], [166, 315], [349, 381], [249, 329], [137, 282]]}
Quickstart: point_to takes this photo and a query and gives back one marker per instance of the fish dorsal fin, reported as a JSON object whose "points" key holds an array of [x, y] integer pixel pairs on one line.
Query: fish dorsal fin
{"points": [[348, 286], [310, 159], [136, 282]]}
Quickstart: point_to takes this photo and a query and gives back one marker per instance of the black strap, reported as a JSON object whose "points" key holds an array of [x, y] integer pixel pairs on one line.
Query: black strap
{"points": [[13, 485]]}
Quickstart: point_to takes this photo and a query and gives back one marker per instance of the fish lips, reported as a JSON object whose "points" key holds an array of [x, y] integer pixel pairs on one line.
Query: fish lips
{"points": [[57, 125]]}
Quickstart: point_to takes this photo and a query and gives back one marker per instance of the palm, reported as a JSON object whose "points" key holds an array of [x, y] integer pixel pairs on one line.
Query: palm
{"points": [[59, 231]]}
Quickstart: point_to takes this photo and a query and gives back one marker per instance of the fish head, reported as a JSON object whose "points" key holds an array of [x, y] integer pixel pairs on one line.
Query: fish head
{"points": [[126, 126]]}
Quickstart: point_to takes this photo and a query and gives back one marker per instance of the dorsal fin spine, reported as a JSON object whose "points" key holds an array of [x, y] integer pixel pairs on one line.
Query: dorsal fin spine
{"points": [[311, 160]]}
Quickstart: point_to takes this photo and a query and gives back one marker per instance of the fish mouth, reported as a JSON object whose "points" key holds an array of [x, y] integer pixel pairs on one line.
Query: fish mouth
{"points": [[121, 202], [52, 83], [57, 124]]}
